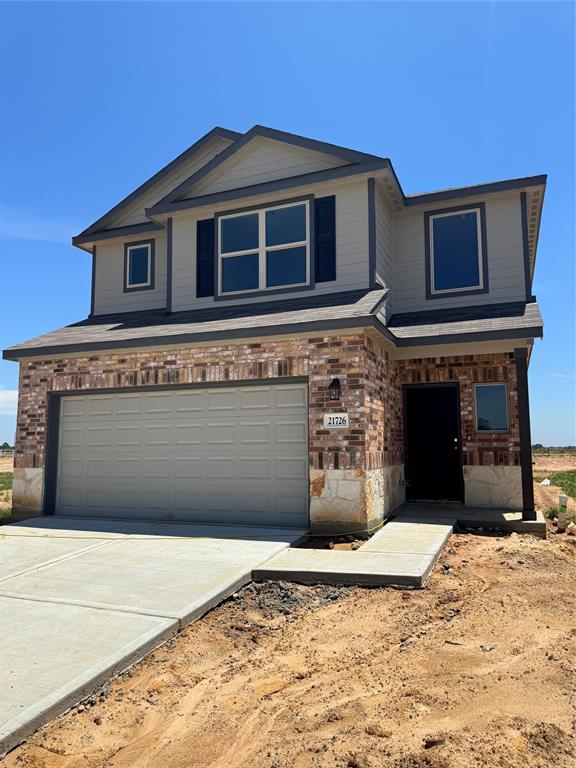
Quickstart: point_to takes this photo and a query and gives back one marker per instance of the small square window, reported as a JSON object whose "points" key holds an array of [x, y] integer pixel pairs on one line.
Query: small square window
{"points": [[491, 408], [138, 266]]}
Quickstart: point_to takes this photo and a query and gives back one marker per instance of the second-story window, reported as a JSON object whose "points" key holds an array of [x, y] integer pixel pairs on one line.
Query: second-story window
{"points": [[139, 266], [264, 249], [456, 251]]}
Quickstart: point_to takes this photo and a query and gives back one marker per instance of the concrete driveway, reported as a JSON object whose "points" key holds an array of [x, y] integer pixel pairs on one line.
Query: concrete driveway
{"points": [[81, 599]]}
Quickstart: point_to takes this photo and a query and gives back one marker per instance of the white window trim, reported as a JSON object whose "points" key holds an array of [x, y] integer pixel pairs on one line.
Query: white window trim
{"points": [[489, 431], [480, 284], [129, 250], [263, 248]]}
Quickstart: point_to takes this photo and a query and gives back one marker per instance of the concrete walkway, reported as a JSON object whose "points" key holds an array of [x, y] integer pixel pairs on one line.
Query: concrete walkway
{"points": [[82, 599], [400, 553]]}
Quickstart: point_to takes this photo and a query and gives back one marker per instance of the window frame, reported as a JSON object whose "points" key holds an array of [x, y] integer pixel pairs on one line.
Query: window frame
{"points": [[261, 210], [505, 431], [149, 284], [483, 286]]}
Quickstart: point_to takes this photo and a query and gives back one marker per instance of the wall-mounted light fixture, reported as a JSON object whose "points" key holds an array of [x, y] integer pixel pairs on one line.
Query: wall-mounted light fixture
{"points": [[334, 388]]}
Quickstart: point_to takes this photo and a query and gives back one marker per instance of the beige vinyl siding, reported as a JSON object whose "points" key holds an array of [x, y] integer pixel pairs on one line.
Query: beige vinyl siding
{"points": [[505, 255], [135, 214], [109, 294], [263, 160], [384, 245], [351, 246]]}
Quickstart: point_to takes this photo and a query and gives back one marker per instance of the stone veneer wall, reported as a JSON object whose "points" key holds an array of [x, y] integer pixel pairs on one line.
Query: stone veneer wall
{"points": [[343, 496], [491, 461]]}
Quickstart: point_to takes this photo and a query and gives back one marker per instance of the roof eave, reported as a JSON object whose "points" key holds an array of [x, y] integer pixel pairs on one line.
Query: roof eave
{"points": [[100, 223]]}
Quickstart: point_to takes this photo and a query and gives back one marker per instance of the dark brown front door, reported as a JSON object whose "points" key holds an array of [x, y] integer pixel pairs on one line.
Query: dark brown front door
{"points": [[433, 462]]}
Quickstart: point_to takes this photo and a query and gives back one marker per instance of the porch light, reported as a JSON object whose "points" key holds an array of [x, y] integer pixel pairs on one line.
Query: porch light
{"points": [[334, 389]]}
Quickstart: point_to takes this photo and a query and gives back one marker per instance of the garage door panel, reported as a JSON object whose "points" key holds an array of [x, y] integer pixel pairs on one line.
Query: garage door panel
{"points": [[99, 468], [100, 406], [189, 434], [255, 432], [72, 437], [126, 468], [73, 406], [99, 437], [129, 405], [255, 467], [71, 468], [291, 468], [157, 467], [221, 433], [291, 432], [126, 436], [290, 396], [256, 397], [225, 454], [189, 402], [160, 434], [158, 404], [222, 400]]}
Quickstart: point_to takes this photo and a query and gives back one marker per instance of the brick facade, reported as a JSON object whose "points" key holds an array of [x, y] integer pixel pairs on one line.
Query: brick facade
{"points": [[477, 449], [356, 475]]}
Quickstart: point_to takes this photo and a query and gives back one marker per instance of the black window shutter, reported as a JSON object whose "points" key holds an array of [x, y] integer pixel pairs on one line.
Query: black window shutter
{"points": [[205, 258], [325, 236]]}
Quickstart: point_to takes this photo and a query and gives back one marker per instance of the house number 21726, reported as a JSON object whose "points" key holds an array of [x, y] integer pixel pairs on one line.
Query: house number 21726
{"points": [[335, 420]]}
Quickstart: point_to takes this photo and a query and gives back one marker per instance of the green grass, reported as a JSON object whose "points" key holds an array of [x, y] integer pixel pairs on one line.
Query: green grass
{"points": [[5, 481], [566, 481]]}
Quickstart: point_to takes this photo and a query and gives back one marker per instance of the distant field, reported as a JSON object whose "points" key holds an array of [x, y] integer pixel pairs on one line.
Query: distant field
{"points": [[554, 462]]}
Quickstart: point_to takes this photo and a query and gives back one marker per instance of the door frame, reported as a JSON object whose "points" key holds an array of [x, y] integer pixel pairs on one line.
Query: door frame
{"points": [[436, 385], [53, 420]]}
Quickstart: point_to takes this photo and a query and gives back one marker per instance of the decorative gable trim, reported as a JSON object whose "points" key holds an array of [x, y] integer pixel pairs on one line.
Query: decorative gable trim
{"points": [[378, 164], [259, 131]]}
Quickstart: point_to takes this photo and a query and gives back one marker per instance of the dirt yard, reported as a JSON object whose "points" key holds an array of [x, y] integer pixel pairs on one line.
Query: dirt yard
{"points": [[546, 496], [6, 465], [475, 671]]}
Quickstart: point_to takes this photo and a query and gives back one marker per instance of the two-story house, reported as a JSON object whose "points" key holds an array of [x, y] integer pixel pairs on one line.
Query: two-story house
{"points": [[278, 334]]}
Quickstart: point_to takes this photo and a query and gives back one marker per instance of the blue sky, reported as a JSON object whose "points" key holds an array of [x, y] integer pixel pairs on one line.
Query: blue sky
{"points": [[95, 97]]}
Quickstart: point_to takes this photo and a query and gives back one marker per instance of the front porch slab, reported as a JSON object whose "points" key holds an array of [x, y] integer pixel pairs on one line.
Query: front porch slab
{"points": [[505, 520]]}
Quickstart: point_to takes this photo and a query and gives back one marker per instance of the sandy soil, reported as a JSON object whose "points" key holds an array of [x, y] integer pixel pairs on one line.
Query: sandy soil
{"points": [[553, 463], [6, 464], [475, 671], [546, 496]]}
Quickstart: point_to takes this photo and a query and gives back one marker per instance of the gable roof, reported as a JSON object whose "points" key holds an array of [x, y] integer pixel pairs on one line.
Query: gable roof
{"points": [[101, 223], [350, 156]]}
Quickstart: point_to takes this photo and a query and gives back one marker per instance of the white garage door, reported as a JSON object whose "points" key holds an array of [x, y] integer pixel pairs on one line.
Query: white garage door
{"points": [[221, 454]]}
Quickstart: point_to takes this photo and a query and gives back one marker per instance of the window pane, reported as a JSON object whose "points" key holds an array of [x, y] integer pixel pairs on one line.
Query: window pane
{"points": [[455, 240], [286, 267], [286, 225], [240, 273], [491, 407], [239, 233], [138, 265]]}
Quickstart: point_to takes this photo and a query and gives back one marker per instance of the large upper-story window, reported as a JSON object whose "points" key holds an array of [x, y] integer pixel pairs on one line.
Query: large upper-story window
{"points": [[264, 249], [139, 266], [456, 257]]}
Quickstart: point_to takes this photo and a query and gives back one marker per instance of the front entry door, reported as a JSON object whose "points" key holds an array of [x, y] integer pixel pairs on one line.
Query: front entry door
{"points": [[432, 433]]}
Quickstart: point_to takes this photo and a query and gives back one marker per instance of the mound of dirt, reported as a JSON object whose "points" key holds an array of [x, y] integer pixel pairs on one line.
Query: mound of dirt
{"points": [[475, 671]]}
